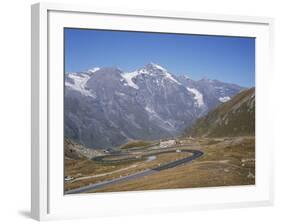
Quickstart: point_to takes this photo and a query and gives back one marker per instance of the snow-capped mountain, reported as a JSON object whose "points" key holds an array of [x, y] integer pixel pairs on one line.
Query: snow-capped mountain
{"points": [[106, 107]]}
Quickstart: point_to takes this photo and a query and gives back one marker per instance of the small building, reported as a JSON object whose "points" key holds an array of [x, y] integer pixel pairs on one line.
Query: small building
{"points": [[167, 143]]}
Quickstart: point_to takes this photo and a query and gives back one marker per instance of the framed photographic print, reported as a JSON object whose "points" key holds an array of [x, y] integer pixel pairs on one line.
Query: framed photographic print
{"points": [[138, 111]]}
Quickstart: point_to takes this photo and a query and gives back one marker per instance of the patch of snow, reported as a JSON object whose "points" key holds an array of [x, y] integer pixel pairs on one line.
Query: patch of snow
{"points": [[158, 67], [166, 73], [92, 70], [143, 71], [157, 82], [148, 109], [79, 84], [197, 96], [129, 78], [169, 76], [224, 99]]}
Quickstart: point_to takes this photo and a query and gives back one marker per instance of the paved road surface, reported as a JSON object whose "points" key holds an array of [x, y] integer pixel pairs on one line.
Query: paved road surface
{"points": [[91, 187]]}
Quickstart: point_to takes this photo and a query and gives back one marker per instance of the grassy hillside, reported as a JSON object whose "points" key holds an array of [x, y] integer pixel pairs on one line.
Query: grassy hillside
{"points": [[233, 118], [136, 144]]}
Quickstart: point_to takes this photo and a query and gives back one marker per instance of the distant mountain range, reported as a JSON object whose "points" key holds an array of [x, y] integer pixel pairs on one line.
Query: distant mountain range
{"points": [[233, 118], [106, 107]]}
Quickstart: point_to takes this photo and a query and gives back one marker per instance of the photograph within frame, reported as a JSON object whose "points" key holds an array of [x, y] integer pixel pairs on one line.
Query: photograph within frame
{"points": [[134, 120]]}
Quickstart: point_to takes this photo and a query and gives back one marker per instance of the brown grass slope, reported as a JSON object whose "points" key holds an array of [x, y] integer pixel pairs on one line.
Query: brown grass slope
{"points": [[135, 144], [233, 118]]}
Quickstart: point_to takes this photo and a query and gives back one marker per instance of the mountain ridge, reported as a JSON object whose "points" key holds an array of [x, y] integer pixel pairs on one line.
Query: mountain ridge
{"points": [[105, 107]]}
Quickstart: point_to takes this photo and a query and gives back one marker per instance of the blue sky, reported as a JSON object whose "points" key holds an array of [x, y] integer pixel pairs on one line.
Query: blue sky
{"points": [[229, 59]]}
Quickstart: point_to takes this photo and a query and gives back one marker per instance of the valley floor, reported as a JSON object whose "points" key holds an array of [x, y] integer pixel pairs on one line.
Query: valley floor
{"points": [[225, 162]]}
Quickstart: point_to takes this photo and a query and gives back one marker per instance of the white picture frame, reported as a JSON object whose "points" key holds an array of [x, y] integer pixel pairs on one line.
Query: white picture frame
{"points": [[48, 201]]}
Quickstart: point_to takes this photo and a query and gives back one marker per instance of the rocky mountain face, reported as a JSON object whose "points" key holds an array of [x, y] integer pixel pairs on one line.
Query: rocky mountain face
{"points": [[73, 150], [106, 107], [233, 118]]}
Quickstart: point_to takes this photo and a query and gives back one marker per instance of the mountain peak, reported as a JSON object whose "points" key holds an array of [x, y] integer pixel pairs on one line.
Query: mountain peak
{"points": [[152, 67]]}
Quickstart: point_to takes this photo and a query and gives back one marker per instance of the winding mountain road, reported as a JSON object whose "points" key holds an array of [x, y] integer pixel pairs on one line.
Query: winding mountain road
{"points": [[195, 154]]}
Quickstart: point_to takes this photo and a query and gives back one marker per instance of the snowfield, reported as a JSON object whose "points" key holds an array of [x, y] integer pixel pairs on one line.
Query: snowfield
{"points": [[198, 97], [224, 99], [79, 84], [128, 77]]}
